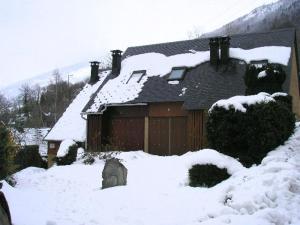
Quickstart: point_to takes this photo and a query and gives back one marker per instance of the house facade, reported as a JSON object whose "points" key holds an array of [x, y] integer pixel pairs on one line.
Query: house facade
{"points": [[156, 97]]}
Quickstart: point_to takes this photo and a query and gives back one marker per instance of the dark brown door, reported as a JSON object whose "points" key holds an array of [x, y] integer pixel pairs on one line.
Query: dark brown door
{"points": [[94, 132], [167, 135], [127, 133], [159, 135]]}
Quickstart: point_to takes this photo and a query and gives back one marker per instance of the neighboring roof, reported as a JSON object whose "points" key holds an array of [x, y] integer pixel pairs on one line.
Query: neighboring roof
{"points": [[71, 125], [32, 136], [203, 84]]}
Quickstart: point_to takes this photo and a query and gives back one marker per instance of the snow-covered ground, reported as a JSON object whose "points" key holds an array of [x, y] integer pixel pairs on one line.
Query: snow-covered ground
{"points": [[157, 192]]}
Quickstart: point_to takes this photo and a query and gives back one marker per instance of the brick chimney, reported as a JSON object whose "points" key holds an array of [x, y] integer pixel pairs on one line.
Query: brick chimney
{"points": [[116, 62], [214, 50], [94, 72], [224, 45]]}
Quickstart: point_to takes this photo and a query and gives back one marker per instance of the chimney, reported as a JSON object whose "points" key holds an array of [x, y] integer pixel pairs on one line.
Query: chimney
{"points": [[116, 62], [224, 45], [214, 50], [94, 72]]}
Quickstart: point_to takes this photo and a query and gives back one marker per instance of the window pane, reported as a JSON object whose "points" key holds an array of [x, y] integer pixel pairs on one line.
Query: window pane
{"points": [[135, 77], [176, 74]]}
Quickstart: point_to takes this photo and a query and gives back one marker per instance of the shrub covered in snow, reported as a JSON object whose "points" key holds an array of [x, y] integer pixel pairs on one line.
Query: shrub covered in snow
{"points": [[30, 156], [248, 130], [67, 152], [267, 78], [206, 175]]}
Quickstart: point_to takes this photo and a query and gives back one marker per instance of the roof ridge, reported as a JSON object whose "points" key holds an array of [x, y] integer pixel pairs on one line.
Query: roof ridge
{"points": [[205, 38]]}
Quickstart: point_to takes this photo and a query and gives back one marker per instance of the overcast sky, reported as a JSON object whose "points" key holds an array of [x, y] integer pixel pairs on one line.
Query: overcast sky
{"points": [[37, 36]]}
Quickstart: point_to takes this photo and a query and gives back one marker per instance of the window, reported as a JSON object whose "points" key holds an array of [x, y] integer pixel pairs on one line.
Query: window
{"points": [[51, 145], [177, 73], [136, 76]]}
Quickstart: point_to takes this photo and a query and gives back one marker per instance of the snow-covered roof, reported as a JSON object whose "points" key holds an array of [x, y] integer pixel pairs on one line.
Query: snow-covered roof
{"points": [[203, 84], [71, 125], [32, 136]]}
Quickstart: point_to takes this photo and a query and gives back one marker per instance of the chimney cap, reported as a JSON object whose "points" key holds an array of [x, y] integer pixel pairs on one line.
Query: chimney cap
{"points": [[116, 51], [225, 39], [96, 63]]}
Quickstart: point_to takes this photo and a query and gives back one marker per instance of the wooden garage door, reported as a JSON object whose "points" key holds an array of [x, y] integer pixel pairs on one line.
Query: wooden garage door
{"points": [[167, 135], [159, 135], [127, 133]]}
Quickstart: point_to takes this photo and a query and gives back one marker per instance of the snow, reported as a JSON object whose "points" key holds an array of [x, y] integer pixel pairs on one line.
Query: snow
{"points": [[118, 90], [80, 153], [32, 136], [262, 74], [238, 102], [157, 192], [64, 147], [173, 82], [71, 125], [279, 94], [274, 54], [183, 90]]}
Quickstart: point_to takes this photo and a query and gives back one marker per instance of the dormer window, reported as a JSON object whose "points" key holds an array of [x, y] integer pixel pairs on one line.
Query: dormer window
{"points": [[136, 76], [177, 73]]}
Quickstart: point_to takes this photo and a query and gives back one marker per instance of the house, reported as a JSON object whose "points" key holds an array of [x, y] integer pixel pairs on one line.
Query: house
{"points": [[71, 125], [156, 97]]}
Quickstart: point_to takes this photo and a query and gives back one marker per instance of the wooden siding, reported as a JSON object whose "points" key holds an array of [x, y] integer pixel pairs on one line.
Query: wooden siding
{"points": [[195, 130], [178, 135], [53, 151], [94, 126], [167, 109]]}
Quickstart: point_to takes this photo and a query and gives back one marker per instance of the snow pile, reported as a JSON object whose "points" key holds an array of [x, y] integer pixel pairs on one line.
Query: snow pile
{"points": [[71, 125], [119, 90], [262, 74], [64, 147], [32, 136], [238, 102], [156, 192], [209, 156]]}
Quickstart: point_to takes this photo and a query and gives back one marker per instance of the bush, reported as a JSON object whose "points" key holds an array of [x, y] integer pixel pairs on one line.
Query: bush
{"points": [[270, 83], [69, 158], [29, 156], [206, 175], [7, 152], [250, 135]]}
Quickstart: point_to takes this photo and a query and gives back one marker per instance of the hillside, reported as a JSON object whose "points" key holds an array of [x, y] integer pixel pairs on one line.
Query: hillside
{"points": [[79, 72], [157, 192], [281, 14]]}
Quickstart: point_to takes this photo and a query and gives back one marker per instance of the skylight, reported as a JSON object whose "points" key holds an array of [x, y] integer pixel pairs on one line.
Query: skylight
{"points": [[136, 76], [177, 73]]}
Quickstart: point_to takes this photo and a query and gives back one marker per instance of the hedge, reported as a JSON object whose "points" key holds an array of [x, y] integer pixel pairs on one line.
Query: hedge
{"points": [[69, 158], [250, 135]]}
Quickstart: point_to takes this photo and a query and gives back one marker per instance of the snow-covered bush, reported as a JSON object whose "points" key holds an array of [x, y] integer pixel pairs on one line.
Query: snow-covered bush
{"points": [[248, 127], [206, 175], [266, 78], [29, 156], [67, 152]]}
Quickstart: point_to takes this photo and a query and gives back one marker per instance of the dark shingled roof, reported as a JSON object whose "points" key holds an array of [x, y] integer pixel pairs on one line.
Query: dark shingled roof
{"points": [[205, 84]]}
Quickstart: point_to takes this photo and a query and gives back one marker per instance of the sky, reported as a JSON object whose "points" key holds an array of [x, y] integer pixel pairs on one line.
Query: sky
{"points": [[37, 36]]}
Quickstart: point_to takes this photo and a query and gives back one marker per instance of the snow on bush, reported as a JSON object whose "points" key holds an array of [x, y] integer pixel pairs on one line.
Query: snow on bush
{"points": [[238, 103], [64, 147]]}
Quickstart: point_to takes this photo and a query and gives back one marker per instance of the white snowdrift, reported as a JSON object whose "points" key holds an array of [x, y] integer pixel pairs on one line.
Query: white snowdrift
{"points": [[157, 193], [64, 147]]}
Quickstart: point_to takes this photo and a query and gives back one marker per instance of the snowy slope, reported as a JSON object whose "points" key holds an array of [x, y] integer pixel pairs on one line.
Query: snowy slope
{"points": [[79, 72], [157, 193], [281, 14]]}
